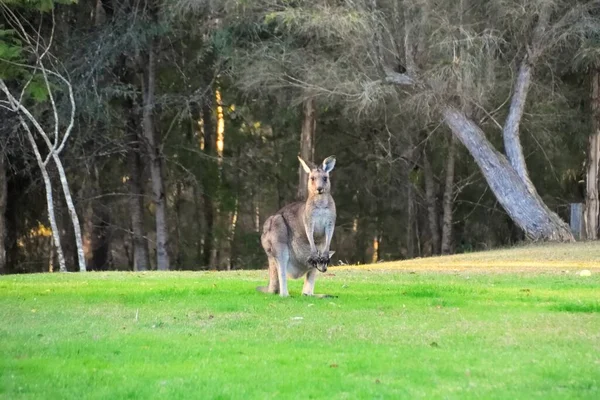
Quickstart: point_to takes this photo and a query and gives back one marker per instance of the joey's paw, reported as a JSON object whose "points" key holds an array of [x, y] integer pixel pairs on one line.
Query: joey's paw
{"points": [[324, 260]]}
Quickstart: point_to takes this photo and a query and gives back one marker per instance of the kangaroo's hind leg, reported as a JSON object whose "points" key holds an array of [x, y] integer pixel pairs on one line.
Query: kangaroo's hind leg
{"points": [[273, 276], [275, 243]]}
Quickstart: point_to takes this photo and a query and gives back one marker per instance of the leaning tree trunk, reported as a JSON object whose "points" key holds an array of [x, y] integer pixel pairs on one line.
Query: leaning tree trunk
{"points": [[46, 177], [154, 152], [448, 201], [593, 162], [524, 207], [62, 265], [510, 132], [72, 211], [307, 144]]}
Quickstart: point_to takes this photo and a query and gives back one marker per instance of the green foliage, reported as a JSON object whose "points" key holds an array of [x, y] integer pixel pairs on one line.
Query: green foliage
{"points": [[11, 51], [41, 5]]}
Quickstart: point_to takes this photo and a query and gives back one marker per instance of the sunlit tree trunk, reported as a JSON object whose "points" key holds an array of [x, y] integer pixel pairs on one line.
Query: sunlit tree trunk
{"points": [[209, 181], [307, 143]]}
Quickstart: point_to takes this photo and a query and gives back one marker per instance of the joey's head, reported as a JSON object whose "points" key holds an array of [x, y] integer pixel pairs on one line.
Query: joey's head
{"points": [[318, 176], [322, 264]]}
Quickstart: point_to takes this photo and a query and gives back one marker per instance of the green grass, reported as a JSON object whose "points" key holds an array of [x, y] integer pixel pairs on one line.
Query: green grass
{"points": [[389, 334]]}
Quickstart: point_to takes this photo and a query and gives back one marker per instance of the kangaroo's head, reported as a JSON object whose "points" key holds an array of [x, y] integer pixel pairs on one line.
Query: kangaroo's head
{"points": [[318, 176]]}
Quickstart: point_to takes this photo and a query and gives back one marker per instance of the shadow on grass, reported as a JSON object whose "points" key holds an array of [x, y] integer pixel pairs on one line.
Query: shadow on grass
{"points": [[577, 307]]}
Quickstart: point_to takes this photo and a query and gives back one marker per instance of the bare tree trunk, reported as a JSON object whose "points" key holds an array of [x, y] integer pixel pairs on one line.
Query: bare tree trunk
{"points": [[430, 197], [207, 190], [141, 256], [3, 198], [307, 144], [593, 163], [46, 177], [512, 139], [410, 236], [156, 172], [510, 132], [232, 232], [72, 211], [525, 208], [448, 201], [62, 265], [100, 231]]}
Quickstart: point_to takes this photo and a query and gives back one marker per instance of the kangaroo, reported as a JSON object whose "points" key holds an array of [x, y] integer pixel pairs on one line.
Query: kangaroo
{"points": [[297, 238]]}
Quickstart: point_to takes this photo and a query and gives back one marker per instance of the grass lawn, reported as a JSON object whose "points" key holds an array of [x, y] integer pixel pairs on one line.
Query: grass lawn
{"points": [[466, 327]]}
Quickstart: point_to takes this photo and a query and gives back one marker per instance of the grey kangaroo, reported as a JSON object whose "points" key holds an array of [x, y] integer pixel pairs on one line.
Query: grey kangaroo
{"points": [[297, 238]]}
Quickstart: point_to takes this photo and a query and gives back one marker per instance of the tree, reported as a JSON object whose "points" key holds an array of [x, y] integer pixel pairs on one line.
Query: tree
{"points": [[588, 60], [34, 46], [358, 47]]}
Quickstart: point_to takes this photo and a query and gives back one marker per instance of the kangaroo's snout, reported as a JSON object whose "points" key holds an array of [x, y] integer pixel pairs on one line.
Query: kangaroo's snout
{"points": [[320, 190]]}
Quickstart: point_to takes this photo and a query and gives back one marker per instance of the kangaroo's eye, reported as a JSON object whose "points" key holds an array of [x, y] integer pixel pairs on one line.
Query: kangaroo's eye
{"points": [[312, 178], [324, 179]]}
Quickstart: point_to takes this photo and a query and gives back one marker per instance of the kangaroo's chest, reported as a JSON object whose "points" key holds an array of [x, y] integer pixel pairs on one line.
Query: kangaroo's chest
{"points": [[322, 218]]}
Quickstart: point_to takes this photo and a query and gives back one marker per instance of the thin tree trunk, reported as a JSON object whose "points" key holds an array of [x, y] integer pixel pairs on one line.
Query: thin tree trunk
{"points": [[430, 197], [156, 172], [448, 201], [62, 265], [256, 211], [178, 245], [141, 256], [208, 185], [46, 177], [100, 237], [525, 208], [54, 150], [198, 216], [72, 212], [410, 198], [307, 145], [3, 199], [232, 232], [593, 163]]}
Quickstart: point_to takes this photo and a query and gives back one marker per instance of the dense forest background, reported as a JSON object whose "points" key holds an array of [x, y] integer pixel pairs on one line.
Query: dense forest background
{"points": [[457, 125]]}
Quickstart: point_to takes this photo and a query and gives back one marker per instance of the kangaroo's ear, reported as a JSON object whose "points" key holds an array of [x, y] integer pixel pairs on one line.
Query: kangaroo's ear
{"points": [[329, 163], [304, 165], [331, 253]]}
